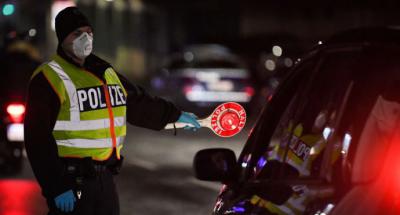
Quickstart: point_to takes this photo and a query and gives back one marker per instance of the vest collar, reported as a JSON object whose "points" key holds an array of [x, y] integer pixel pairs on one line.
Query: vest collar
{"points": [[64, 63], [92, 63]]}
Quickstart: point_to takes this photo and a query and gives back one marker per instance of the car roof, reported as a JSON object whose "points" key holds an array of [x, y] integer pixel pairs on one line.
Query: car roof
{"points": [[370, 35], [386, 39]]}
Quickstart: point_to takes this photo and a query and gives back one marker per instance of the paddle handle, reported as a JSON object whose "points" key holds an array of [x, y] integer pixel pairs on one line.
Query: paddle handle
{"points": [[203, 122]]}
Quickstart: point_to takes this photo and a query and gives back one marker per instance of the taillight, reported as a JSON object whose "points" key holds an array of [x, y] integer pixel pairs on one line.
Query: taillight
{"points": [[16, 112], [249, 91]]}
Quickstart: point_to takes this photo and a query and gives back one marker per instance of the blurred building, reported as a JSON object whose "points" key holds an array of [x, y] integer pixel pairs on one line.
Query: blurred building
{"points": [[139, 34], [136, 35]]}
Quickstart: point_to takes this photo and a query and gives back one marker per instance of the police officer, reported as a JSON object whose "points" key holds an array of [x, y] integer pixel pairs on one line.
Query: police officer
{"points": [[75, 122]]}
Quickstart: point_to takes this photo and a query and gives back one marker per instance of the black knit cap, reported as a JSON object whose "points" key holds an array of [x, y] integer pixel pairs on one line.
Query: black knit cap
{"points": [[68, 20]]}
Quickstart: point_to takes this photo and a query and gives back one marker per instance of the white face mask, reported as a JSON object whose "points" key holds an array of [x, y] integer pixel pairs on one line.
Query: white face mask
{"points": [[82, 46]]}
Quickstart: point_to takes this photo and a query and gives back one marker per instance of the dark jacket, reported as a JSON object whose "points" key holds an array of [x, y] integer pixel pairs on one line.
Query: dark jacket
{"points": [[41, 114]]}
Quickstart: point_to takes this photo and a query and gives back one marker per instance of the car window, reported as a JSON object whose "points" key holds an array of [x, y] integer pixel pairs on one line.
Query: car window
{"points": [[300, 136], [343, 81], [371, 115], [261, 133]]}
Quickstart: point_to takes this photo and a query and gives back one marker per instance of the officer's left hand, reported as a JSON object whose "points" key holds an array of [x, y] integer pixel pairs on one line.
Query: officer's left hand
{"points": [[191, 119], [65, 201]]}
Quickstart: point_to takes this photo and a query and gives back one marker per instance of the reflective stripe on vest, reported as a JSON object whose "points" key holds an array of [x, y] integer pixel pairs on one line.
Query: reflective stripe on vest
{"points": [[88, 143], [85, 125], [62, 125], [71, 90]]}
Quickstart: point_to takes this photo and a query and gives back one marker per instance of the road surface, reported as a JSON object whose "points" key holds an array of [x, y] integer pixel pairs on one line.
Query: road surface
{"points": [[156, 178]]}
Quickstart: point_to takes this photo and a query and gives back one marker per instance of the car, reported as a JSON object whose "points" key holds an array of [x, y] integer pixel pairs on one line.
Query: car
{"points": [[18, 62], [202, 76], [328, 142]]}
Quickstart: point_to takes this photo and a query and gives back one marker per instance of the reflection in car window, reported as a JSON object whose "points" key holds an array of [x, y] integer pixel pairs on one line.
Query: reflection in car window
{"points": [[307, 122], [297, 145]]}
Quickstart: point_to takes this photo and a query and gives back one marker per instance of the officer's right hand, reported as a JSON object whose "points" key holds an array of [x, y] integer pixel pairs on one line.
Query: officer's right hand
{"points": [[66, 201], [191, 119]]}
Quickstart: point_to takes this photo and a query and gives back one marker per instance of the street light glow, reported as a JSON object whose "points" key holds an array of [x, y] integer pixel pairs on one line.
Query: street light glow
{"points": [[32, 32], [8, 9], [277, 51], [270, 65]]}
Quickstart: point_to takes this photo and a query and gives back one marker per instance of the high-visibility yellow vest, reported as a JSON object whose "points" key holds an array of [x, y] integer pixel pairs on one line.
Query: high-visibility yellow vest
{"points": [[92, 118], [303, 150]]}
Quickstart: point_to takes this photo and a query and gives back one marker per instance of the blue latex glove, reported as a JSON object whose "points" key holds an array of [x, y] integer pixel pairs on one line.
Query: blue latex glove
{"points": [[191, 119], [65, 201]]}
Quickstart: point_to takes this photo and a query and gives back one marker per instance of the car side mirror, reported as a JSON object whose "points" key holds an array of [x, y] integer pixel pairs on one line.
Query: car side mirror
{"points": [[215, 165]]}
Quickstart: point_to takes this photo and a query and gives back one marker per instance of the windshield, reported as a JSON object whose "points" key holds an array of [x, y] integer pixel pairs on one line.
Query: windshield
{"points": [[322, 117]]}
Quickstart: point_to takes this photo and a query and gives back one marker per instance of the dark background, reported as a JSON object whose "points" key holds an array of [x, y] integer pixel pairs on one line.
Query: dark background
{"points": [[146, 31]]}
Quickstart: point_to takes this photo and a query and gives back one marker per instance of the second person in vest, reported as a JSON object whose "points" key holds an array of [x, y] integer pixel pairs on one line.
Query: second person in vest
{"points": [[75, 124]]}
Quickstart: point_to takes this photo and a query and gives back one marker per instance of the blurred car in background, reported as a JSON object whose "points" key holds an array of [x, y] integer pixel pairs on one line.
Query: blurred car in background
{"points": [[334, 121], [18, 61], [269, 57], [203, 76]]}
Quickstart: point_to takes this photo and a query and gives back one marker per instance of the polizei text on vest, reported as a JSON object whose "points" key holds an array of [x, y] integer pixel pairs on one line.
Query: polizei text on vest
{"points": [[93, 98]]}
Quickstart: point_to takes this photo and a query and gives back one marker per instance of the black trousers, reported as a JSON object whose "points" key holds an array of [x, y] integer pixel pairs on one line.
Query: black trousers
{"points": [[99, 197]]}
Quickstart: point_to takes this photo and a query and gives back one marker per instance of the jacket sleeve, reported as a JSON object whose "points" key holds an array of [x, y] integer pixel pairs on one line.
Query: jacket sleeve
{"points": [[148, 111], [41, 114]]}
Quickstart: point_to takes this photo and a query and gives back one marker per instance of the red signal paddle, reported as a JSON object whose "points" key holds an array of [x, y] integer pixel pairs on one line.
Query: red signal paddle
{"points": [[227, 120]]}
